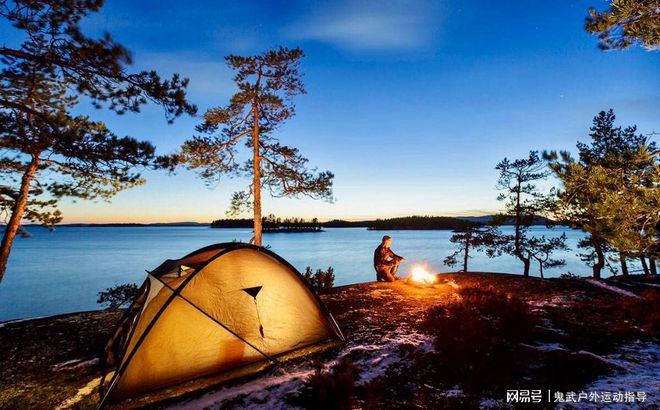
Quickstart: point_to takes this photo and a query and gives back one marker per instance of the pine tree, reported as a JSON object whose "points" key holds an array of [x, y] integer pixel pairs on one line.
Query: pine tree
{"points": [[542, 248], [267, 84], [611, 191], [523, 203], [470, 238], [626, 23], [47, 152]]}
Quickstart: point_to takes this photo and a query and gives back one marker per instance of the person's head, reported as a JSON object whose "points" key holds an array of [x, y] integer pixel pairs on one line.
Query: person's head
{"points": [[387, 241]]}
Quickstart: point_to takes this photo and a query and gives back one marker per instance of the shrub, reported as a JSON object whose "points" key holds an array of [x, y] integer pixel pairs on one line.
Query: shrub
{"points": [[644, 311], [322, 280], [333, 389], [327, 281], [118, 296], [309, 276]]}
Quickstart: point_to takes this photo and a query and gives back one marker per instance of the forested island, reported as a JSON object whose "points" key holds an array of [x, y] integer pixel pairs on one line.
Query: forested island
{"points": [[272, 224], [420, 223]]}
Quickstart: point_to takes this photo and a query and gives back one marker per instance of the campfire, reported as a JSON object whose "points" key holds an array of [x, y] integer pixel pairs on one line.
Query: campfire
{"points": [[420, 276]]}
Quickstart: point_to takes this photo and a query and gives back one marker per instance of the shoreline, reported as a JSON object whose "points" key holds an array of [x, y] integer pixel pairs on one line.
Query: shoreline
{"points": [[617, 279]]}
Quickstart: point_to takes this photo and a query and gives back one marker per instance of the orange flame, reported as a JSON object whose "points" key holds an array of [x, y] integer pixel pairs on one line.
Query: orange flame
{"points": [[421, 275]]}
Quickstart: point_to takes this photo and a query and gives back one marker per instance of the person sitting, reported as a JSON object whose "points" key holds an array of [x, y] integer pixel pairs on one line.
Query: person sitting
{"points": [[386, 262]]}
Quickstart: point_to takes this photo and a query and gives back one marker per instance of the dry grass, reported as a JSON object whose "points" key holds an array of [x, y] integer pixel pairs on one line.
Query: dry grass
{"points": [[329, 389], [477, 338]]}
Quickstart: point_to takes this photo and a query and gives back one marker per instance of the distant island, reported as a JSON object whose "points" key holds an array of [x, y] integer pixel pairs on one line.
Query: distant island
{"points": [[440, 222], [273, 224], [421, 223], [296, 224], [537, 220]]}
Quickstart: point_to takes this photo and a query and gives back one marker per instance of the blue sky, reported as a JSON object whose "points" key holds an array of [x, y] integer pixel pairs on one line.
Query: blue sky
{"points": [[410, 103]]}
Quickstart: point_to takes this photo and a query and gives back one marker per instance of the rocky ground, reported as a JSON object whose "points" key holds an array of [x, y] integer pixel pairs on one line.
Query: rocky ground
{"points": [[460, 344]]}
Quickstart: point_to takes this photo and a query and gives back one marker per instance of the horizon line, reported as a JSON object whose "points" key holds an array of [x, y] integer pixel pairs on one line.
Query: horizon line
{"points": [[351, 219]]}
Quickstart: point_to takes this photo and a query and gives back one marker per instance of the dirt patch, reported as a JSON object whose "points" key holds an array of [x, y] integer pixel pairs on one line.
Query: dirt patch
{"points": [[47, 360]]}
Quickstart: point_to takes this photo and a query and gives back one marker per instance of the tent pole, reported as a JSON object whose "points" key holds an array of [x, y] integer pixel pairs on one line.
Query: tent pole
{"points": [[124, 365]]}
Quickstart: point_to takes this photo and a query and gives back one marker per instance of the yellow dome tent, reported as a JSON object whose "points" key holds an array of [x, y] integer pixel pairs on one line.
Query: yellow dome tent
{"points": [[221, 312]]}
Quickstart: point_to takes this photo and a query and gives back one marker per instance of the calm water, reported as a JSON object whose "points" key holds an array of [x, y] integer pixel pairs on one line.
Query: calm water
{"points": [[62, 271]]}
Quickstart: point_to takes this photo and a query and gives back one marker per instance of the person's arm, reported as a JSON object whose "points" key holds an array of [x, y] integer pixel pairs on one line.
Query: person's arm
{"points": [[395, 256], [392, 255]]}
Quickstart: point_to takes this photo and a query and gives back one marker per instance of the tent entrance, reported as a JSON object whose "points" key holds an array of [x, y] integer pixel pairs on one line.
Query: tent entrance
{"points": [[254, 291]]}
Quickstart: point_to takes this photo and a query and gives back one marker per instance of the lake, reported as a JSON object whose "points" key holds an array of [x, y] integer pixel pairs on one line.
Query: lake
{"points": [[62, 271]]}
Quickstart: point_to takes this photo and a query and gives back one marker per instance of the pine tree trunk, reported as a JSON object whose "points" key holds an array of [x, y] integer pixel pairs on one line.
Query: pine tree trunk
{"points": [[516, 243], [652, 265], [518, 236], [624, 265], [256, 182], [526, 263], [17, 212], [465, 256], [598, 266], [644, 265], [541, 269]]}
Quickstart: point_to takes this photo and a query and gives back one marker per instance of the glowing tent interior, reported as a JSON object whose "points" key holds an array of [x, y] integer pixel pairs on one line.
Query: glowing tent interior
{"points": [[228, 309]]}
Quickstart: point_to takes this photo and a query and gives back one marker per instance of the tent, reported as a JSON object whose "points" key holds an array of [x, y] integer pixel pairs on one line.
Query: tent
{"points": [[221, 312]]}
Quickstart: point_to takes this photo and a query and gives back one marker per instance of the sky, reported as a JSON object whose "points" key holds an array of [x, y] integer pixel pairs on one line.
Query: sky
{"points": [[410, 103]]}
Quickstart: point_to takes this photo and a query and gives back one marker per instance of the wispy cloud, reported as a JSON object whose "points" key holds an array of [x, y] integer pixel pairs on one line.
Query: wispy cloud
{"points": [[210, 78], [361, 25]]}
